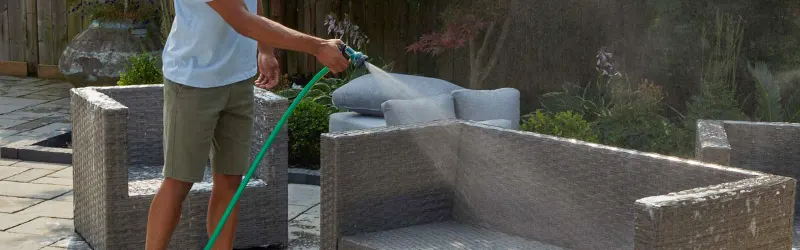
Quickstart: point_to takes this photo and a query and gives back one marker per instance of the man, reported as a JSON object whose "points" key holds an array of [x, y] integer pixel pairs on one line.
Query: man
{"points": [[209, 65]]}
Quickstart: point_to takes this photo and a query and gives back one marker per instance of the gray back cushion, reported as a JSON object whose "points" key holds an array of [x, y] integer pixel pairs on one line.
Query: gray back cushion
{"points": [[404, 112], [483, 105], [364, 95]]}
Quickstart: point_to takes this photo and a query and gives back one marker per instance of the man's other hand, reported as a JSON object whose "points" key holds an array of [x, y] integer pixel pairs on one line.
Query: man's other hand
{"points": [[268, 70]]}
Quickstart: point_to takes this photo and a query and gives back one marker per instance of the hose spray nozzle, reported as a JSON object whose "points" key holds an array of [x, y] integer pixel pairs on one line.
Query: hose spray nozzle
{"points": [[356, 58]]}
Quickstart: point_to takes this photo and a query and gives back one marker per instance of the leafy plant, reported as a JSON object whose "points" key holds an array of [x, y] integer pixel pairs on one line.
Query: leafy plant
{"points": [[591, 101], [142, 69], [319, 93], [563, 124], [307, 123], [636, 121], [346, 30], [769, 96], [717, 98], [116, 10]]}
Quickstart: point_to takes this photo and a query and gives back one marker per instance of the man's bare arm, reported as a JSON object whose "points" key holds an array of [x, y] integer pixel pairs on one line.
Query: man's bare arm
{"points": [[265, 31], [262, 47]]}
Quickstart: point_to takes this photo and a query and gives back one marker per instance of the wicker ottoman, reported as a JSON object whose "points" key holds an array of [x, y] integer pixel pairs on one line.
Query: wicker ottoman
{"points": [[117, 159]]}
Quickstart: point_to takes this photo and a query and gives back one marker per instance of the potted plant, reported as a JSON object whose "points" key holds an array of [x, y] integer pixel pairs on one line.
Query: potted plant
{"points": [[120, 29]]}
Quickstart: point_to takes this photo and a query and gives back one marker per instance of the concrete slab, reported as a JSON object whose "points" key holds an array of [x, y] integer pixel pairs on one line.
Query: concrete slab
{"points": [[48, 130], [22, 115], [7, 162], [54, 228], [12, 220], [41, 165], [314, 210], [6, 123], [54, 209], [14, 204], [295, 211], [29, 175], [8, 171], [63, 173], [303, 195], [11, 240], [13, 139], [304, 232], [64, 197], [54, 181], [8, 104], [32, 190], [7, 132]]}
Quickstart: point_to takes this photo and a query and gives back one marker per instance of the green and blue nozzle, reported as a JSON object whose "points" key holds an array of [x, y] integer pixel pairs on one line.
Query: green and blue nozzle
{"points": [[356, 58]]}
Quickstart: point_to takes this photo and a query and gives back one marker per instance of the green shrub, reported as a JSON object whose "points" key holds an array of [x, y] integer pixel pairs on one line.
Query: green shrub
{"points": [[307, 123], [142, 69], [563, 124]]}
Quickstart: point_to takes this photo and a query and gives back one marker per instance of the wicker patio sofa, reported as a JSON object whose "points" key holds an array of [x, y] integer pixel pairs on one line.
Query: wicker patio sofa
{"points": [[117, 158], [772, 148], [462, 185]]}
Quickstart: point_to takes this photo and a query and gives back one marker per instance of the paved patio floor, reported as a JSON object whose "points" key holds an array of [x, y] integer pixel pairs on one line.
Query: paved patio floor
{"points": [[36, 209], [32, 108]]}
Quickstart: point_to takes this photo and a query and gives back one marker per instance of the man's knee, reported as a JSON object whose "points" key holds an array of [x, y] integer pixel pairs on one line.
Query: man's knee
{"points": [[175, 187], [226, 182]]}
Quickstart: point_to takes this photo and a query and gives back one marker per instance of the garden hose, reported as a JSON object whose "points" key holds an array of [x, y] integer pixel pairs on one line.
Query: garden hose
{"points": [[357, 59]]}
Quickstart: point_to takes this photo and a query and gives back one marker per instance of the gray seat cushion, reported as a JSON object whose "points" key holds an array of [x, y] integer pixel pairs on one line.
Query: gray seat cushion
{"points": [[483, 105], [364, 95], [438, 236], [404, 112], [344, 121]]}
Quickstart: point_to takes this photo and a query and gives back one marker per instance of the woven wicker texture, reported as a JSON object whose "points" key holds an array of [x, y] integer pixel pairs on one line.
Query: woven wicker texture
{"points": [[434, 235], [117, 141], [772, 148], [541, 188]]}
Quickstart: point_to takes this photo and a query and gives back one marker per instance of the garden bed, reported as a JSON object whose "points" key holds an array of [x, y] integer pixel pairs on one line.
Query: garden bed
{"points": [[54, 149]]}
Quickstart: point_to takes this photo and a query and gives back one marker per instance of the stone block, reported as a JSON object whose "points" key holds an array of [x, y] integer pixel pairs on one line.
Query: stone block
{"points": [[32, 190], [14, 204], [29, 175], [55, 209]]}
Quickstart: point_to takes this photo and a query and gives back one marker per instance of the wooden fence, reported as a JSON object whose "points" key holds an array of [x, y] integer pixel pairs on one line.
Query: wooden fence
{"points": [[34, 33]]}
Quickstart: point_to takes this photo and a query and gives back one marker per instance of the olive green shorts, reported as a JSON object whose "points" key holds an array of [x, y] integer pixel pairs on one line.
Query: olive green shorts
{"points": [[207, 123]]}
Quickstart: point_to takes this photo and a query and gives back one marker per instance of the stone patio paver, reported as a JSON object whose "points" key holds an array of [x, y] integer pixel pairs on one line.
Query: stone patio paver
{"points": [[8, 171], [54, 209], [63, 173], [8, 162], [54, 181], [29, 175], [304, 232], [303, 195], [65, 197], [40, 165], [54, 228], [32, 190], [24, 241], [6, 123], [14, 204], [11, 220]]}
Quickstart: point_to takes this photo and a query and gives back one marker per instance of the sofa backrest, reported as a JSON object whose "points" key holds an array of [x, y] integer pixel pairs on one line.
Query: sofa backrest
{"points": [[565, 192], [145, 122]]}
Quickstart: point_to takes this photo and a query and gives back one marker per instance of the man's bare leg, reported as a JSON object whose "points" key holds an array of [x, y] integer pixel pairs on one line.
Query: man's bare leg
{"points": [[222, 192], [165, 212]]}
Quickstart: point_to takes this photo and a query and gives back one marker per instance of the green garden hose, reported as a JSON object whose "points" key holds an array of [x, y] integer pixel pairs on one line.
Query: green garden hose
{"points": [[357, 59]]}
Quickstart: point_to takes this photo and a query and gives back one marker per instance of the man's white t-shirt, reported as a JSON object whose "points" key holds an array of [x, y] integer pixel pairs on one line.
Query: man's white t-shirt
{"points": [[204, 51]]}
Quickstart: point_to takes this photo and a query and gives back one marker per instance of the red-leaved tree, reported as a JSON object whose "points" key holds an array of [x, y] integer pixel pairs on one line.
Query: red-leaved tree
{"points": [[481, 26]]}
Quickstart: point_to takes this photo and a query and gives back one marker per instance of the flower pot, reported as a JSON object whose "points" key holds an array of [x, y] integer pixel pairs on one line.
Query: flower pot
{"points": [[98, 55]]}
